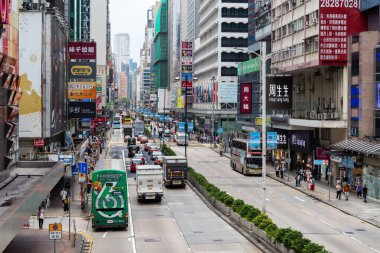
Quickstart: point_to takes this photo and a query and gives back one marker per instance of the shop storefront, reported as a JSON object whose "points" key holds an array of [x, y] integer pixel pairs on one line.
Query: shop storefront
{"points": [[281, 153], [321, 162], [371, 176], [347, 168], [301, 151]]}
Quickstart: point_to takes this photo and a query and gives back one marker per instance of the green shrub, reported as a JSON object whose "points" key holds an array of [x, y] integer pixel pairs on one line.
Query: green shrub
{"points": [[253, 213], [313, 248], [281, 233], [221, 195], [238, 203], [298, 244], [228, 201], [259, 218], [291, 236], [244, 210], [265, 223], [271, 230]]}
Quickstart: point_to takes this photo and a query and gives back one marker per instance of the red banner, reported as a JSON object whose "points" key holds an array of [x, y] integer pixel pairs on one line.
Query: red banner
{"points": [[322, 154], [245, 98], [336, 19], [82, 50], [99, 104], [5, 9], [39, 143]]}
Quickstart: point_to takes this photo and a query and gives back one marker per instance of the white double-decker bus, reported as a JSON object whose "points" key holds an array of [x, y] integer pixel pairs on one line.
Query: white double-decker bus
{"points": [[245, 160]]}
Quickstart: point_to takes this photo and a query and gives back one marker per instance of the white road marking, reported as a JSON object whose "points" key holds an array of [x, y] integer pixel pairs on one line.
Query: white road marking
{"points": [[181, 233], [328, 224], [105, 234], [131, 224], [299, 198], [174, 219], [375, 250], [308, 212], [189, 249], [267, 200]]}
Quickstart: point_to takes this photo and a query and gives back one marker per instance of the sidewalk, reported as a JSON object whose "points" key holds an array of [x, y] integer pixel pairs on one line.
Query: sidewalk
{"points": [[368, 212]]}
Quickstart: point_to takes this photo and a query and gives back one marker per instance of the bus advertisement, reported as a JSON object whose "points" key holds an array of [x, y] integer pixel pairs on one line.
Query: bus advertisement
{"points": [[109, 195], [245, 160]]}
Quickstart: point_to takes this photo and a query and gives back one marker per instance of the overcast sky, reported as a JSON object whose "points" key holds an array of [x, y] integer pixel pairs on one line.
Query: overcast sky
{"points": [[129, 16]]}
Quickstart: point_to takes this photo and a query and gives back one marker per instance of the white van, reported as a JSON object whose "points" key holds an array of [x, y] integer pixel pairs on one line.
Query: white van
{"points": [[180, 138]]}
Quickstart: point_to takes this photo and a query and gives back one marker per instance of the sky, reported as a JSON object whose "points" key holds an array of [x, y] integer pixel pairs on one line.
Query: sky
{"points": [[129, 16]]}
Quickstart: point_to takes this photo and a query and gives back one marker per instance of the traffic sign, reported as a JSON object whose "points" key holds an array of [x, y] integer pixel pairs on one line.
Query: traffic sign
{"points": [[83, 168], [55, 231]]}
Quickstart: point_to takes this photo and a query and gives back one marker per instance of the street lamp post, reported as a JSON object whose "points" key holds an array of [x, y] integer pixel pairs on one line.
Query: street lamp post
{"points": [[263, 57], [213, 115]]}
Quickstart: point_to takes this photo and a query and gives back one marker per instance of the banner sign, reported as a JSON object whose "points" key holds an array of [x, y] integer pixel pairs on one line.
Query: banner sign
{"points": [[82, 50], [246, 98], [271, 140], [82, 90], [98, 104], [279, 92], [300, 141], [249, 66], [5, 10], [254, 140], [39, 143], [82, 70], [80, 110], [190, 126], [181, 126], [227, 92], [282, 139], [186, 56], [67, 159], [337, 21]]}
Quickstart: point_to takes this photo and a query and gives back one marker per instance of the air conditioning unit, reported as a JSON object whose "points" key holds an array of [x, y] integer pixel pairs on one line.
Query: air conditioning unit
{"points": [[326, 106], [332, 105]]}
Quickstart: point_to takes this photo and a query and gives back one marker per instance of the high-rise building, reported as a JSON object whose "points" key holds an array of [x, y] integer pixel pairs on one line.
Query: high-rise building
{"points": [[121, 50], [223, 33], [79, 20]]}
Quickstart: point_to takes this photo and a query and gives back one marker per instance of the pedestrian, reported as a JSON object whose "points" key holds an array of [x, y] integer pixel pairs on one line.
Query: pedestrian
{"points": [[346, 190], [359, 190], [338, 190], [277, 168], [63, 194], [41, 217], [66, 206], [298, 180], [282, 171], [365, 191]]}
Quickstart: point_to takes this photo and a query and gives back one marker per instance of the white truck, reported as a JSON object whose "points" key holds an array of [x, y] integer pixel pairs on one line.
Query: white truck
{"points": [[139, 127], [149, 183]]}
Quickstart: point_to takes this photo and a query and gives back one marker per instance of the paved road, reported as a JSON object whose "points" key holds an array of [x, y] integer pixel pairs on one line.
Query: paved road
{"points": [[180, 223], [337, 231]]}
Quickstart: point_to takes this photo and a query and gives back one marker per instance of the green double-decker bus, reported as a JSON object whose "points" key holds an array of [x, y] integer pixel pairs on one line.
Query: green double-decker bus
{"points": [[109, 195]]}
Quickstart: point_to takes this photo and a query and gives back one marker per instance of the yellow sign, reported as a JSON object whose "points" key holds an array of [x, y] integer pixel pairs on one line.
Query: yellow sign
{"points": [[259, 121], [81, 70], [55, 231], [82, 90], [55, 227], [179, 99]]}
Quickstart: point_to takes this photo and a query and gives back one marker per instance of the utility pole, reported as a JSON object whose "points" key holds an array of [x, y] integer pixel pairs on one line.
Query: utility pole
{"points": [[213, 114]]}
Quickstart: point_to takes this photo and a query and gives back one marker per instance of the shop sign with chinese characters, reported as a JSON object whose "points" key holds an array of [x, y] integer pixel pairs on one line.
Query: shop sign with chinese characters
{"points": [[82, 50], [279, 92], [245, 98], [82, 110], [82, 90], [338, 19]]}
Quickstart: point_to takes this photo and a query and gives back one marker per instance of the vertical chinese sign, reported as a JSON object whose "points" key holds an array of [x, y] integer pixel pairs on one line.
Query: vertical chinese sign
{"points": [[337, 21], [246, 98]]}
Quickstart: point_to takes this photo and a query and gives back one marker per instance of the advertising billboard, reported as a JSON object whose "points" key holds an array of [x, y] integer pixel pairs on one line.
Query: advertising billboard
{"points": [[81, 110], [246, 98], [279, 92], [82, 70], [4, 9], [203, 93], [337, 21], [82, 90], [301, 141], [30, 118], [82, 50], [58, 99], [227, 92]]}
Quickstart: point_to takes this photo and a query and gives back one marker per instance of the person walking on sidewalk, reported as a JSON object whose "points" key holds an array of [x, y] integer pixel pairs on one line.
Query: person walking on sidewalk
{"points": [[66, 206], [63, 194], [365, 191], [41, 217], [277, 168], [298, 180], [359, 190], [338, 190], [346, 190]]}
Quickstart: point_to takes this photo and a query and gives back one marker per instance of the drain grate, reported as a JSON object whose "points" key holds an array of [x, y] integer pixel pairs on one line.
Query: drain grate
{"points": [[198, 232], [159, 215], [349, 233], [217, 240], [360, 229]]}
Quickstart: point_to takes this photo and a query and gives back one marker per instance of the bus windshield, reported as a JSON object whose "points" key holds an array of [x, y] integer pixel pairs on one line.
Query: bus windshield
{"points": [[254, 163]]}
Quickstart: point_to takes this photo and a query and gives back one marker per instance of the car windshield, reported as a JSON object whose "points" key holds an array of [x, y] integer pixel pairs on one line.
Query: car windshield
{"points": [[136, 161]]}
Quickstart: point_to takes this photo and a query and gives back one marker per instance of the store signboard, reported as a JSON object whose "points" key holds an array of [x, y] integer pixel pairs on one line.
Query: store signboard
{"points": [[82, 70], [271, 140], [279, 92], [246, 98], [82, 90], [300, 141], [82, 50], [254, 140], [82, 110], [227, 92]]}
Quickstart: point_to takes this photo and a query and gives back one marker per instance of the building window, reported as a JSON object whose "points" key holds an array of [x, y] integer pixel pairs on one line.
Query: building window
{"points": [[234, 13], [355, 64], [234, 42], [235, 27], [229, 71], [325, 134]]}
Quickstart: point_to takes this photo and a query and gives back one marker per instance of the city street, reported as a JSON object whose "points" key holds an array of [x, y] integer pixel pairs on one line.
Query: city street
{"points": [[180, 223], [325, 225]]}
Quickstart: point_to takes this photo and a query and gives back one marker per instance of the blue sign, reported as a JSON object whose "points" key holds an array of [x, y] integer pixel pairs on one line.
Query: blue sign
{"points": [[83, 168], [181, 126], [254, 140], [86, 120], [190, 126], [66, 159], [167, 117], [161, 118], [271, 140], [187, 76], [220, 131], [74, 170], [156, 115]]}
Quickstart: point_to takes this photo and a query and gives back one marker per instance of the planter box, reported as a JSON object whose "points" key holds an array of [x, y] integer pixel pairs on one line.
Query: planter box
{"points": [[223, 208], [281, 247], [236, 217], [247, 224]]}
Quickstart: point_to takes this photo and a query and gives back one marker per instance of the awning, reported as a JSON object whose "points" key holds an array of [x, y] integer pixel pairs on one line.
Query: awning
{"points": [[362, 147]]}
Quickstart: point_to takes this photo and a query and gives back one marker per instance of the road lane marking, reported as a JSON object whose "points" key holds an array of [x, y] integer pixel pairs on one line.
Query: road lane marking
{"points": [[189, 249], [131, 225], [328, 224], [299, 198], [105, 234], [308, 213], [181, 233], [375, 250]]}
